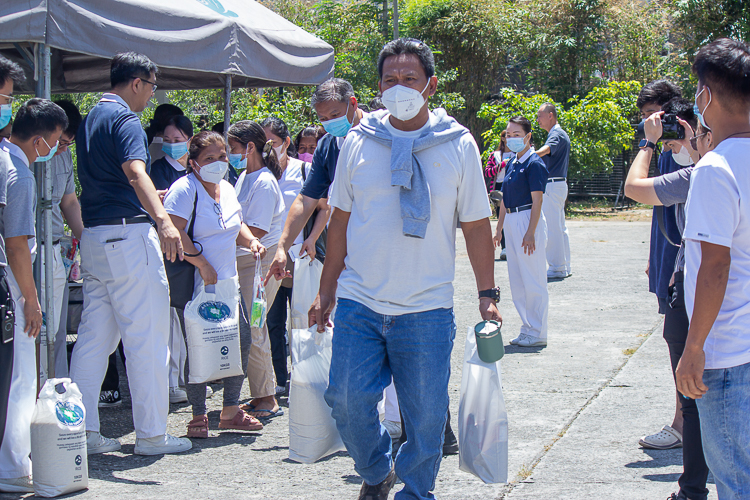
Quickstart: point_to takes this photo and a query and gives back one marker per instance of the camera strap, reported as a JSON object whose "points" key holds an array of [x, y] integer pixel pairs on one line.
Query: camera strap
{"points": [[659, 212]]}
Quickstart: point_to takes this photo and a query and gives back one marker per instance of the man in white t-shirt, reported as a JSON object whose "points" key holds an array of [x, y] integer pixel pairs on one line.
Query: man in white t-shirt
{"points": [[405, 178], [715, 366]]}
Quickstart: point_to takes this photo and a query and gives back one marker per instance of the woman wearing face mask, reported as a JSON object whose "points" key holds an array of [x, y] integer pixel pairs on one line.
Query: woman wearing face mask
{"points": [[204, 195], [525, 233], [494, 170], [290, 183], [306, 142], [173, 165], [263, 211]]}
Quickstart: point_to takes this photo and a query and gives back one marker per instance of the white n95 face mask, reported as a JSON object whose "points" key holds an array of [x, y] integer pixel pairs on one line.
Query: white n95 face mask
{"points": [[683, 157], [404, 103], [214, 171]]}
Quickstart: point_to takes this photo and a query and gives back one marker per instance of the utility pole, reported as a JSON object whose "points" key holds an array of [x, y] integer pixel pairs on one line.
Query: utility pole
{"points": [[395, 19]]}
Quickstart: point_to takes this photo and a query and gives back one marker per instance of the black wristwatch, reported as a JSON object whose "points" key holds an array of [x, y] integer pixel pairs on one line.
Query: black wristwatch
{"points": [[645, 143], [492, 293]]}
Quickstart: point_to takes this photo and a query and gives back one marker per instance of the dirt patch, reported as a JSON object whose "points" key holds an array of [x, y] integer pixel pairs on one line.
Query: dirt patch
{"points": [[637, 214]]}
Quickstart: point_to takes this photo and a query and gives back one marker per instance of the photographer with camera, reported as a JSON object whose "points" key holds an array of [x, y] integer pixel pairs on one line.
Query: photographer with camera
{"points": [[673, 126]]}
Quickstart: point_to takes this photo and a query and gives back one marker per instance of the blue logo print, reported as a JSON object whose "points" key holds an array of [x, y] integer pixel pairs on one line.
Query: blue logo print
{"points": [[215, 312], [69, 414], [216, 6], [78, 460], [224, 350]]}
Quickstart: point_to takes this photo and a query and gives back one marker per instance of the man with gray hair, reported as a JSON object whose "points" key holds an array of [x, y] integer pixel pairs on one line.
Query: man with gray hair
{"points": [[555, 153], [337, 109]]}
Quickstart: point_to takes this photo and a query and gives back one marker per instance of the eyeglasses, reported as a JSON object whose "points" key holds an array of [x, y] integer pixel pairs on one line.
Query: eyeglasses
{"points": [[65, 144], [217, 211], [694, 140], [154, 86], [10, 98]]}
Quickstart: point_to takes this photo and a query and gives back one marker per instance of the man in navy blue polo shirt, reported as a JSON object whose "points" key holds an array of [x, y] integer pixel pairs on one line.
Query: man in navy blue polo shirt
{"points": [[125, 286], [555, 153]]}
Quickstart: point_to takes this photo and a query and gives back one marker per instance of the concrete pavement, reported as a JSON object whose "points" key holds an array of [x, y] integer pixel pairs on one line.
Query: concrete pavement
{"points": [[576, 408]]}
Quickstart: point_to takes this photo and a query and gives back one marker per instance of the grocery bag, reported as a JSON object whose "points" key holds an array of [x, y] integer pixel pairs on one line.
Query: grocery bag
{"points": [[312, 429], [482, 419], [259, 306], [212, 330], [58, 440], [306, 284]]}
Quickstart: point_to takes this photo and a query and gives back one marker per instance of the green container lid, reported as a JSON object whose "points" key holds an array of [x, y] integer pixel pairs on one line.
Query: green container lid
{"points": [[489, 341]]}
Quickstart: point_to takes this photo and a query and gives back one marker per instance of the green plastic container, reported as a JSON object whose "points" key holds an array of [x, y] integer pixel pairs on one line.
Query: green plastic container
{"points": [[489, 341]]}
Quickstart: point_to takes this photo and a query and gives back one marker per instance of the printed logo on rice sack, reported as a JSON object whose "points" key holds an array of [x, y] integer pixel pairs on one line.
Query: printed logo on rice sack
{"points": [[68, 413], [78, 460], [215, 312], [224, 350]]}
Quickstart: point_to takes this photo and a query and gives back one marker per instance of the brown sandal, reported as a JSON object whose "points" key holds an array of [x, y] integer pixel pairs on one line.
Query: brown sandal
{"points": [[198, 427], [241, 422]]}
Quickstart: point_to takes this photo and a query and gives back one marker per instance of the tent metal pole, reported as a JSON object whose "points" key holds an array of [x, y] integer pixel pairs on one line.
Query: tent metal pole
{"points": [[395, 19], [227, 102]]}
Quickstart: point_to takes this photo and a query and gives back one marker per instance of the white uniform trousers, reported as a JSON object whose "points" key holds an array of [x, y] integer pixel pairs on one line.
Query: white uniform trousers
{"points": [[125, 296], [14, 453], [177, 351], [59, 285], [527, 273], [558, 242]]}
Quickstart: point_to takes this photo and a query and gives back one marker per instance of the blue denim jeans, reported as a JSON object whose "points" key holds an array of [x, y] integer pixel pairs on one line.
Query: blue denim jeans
{"points": [[415, 349], [725, 427]]}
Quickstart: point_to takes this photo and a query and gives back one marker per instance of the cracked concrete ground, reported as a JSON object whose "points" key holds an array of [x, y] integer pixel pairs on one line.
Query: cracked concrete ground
{"points": [[576, 408]]}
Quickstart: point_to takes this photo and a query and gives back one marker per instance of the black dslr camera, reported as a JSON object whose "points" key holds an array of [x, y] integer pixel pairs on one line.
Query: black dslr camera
{"points": [[670, 129]]}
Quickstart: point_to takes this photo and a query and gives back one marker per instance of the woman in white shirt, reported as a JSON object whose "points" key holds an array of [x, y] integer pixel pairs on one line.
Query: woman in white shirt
{"points": [[290, 183], [263, 211], [219, 229]]}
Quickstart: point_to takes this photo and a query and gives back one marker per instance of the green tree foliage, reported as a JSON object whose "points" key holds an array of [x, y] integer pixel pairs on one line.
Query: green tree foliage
{"points": [[698, 22]]}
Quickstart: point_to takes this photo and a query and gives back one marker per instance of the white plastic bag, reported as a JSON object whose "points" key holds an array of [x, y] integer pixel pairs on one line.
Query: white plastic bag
{"points": [[312, 429], [259, 305], [482, 419], [213, 332], [306, 284], [58, 440]]}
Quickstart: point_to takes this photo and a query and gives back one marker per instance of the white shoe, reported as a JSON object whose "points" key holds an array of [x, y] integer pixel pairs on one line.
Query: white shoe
{"points": [[529, 341], [209, 391], [17, 485], [667, 438], [516, 340], [96, 443], [177, 395], [503, 255], [161, 444], [393, 428]]}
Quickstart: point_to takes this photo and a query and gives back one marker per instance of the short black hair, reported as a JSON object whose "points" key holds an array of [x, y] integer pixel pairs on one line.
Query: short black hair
{"points": [[523, 122], [128, 65], [218, 128], [408, 46], [724, 65], [162, 114], [11, 71], [38, 117], [181, 123], [659, 92], [682, 108], [333, 89], [74, 116]]}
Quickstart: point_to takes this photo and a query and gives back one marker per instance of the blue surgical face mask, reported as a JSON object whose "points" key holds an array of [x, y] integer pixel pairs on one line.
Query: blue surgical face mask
{"points": [[6, 112], [516, 144], [175, 150], [237, 161], [697, 110], [51, 153], [338, 127]]}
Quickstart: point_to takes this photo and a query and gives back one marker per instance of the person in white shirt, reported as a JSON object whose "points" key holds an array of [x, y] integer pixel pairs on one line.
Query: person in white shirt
{"points": [[263, 212], [715, 366], [204, 196], [405, 178]]}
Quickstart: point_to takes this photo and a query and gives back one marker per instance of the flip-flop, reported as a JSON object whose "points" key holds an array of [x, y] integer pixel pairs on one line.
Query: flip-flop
{"points": [[270, 413], [247, 407]]}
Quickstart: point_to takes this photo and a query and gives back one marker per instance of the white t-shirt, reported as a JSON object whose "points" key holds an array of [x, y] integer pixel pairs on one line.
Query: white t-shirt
{"points": [[386, 271], [291, 184], [216, 224], [262, 205], [718, 211]]}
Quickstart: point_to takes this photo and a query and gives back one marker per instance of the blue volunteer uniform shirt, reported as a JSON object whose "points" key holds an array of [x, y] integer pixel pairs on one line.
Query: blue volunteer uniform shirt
{"points": [[323, 168], [522, 176], [110, 135], [662, 255], [559, 155], [163, 174]]}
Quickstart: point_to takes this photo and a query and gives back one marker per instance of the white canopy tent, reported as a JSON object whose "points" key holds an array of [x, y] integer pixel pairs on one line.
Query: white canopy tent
{"points": [[66, 46]]}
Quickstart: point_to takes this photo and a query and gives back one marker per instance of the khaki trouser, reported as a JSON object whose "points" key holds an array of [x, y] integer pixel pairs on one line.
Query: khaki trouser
{"points": [[260, 374]]}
